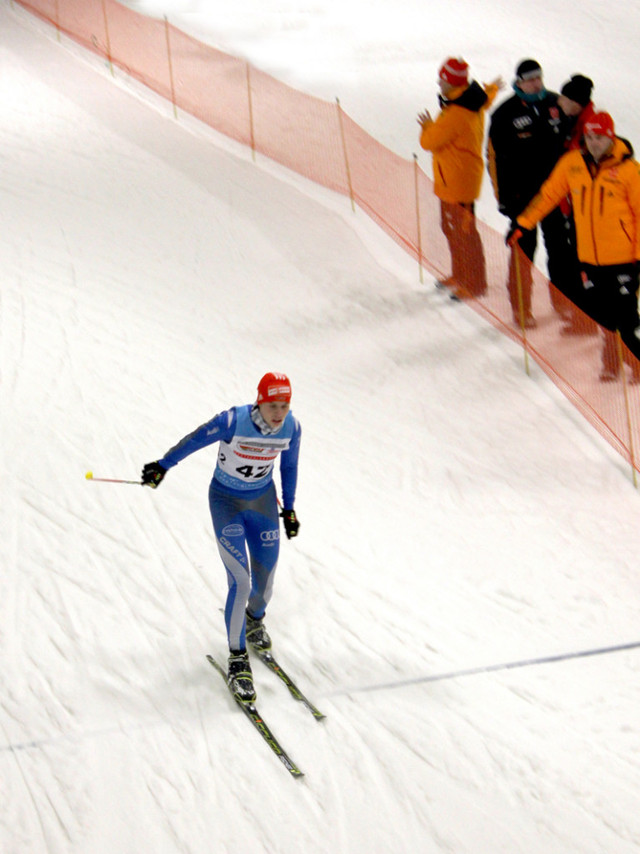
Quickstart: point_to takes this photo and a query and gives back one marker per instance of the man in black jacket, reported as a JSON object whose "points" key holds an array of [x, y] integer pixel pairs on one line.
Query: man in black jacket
{"points": [[526, 139]]}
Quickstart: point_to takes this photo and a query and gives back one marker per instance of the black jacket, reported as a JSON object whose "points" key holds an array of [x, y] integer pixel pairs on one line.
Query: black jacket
{"points": [[525, 143]]}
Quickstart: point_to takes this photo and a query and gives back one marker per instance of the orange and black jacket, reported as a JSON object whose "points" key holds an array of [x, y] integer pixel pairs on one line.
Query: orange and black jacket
{"points": [[605, 197], [455, 138]]}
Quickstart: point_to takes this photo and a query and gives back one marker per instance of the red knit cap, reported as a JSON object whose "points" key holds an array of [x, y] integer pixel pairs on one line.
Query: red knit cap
{"points": [[600, 124], [455, 71], [274, 387]]}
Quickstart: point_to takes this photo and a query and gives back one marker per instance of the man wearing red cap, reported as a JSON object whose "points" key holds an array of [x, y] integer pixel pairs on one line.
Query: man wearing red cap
{"points": [[244, 509], [603, 180], [455, 137]]}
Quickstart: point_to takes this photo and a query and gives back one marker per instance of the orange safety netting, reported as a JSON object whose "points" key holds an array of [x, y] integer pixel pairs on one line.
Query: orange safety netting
{"points": [[319, 141]]}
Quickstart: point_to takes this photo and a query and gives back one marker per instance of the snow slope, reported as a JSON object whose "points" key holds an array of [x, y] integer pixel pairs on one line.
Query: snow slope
{"points": [[455, 513]]}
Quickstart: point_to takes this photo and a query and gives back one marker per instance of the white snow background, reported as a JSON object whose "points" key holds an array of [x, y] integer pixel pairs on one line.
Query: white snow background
{"points": [[456, 514]]}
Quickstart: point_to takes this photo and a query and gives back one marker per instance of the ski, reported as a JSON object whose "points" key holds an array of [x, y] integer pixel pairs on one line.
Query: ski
{"points": [[251, 712], [296, 693]]}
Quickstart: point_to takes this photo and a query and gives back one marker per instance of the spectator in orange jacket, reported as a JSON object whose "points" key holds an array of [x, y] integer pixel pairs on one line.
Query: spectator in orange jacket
{"points": [[603, 180], [455, 137]]}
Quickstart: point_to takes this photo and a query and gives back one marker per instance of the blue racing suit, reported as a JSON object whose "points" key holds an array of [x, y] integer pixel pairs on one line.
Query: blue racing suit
{"points": [[243, 504]]}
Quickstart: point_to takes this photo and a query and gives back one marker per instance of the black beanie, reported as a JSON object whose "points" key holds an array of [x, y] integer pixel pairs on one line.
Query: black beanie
{"points": [[578, 89], [528, 69]]}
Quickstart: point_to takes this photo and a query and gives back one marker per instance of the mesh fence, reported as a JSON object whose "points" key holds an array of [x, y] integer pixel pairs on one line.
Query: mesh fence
{"points": [[319, 141]]}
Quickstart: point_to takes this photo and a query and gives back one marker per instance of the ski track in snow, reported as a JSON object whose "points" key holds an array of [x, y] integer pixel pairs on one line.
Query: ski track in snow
{"points": [[454, 514]]}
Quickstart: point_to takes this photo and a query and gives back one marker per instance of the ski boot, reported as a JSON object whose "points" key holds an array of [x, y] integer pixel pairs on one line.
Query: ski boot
{"points": [[257, 636], [240, 677]]}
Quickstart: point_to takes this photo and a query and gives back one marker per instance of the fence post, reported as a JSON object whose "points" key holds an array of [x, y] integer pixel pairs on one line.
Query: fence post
{"points": [[417, 186], [250, 105], [106, 33], [173, 91], [627, 408], [346, 156], [515, 257]]}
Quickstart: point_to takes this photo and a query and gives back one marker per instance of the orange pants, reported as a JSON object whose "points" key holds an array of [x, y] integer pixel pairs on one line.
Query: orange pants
{"points": [[468, 268]]}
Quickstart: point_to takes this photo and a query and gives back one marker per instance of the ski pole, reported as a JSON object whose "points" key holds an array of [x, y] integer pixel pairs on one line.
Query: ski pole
{"points": [[89, 476]]}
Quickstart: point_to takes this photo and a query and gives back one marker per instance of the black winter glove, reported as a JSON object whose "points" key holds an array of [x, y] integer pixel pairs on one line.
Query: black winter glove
{"points": [[152, 474], [514, 234], [291, 524]]}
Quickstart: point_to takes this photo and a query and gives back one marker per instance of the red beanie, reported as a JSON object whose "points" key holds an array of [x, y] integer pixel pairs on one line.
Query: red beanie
{"points": [[455, 71], [600, 124], [274, 387]]}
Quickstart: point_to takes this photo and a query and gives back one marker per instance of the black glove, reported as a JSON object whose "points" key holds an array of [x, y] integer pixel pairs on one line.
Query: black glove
{"points": [[291, 523], [514, 234], [152, 474]]}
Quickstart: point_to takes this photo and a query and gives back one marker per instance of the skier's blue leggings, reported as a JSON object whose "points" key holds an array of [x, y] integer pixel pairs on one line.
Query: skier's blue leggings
{"points": [[241, 525]]}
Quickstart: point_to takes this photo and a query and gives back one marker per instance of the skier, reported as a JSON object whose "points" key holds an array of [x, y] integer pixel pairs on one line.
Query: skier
{"points": [[244, 509]]}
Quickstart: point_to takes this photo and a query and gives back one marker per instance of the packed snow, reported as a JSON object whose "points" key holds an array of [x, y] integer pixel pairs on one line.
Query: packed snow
{"points": [[457, 514]]}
